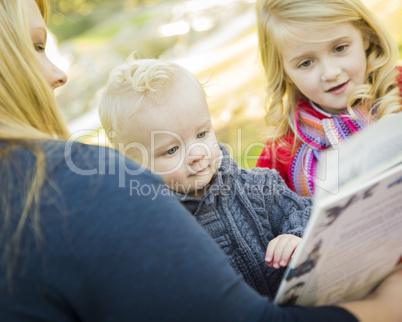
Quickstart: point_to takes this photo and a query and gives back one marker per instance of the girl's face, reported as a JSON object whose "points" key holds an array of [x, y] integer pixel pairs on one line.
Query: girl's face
{"points": [[37, 27], [326, 65]]}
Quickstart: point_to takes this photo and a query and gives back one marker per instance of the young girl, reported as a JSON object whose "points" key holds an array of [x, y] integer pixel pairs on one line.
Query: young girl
{"points": [[331, 71]]}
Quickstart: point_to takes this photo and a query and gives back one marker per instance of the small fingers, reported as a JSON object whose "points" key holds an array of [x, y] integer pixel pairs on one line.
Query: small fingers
{"points": [[288, 250], [280, 250], [278, 260], [269, 255]]}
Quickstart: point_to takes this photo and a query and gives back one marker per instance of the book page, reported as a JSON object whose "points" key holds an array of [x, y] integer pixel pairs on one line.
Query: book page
{"points": [[352, 242], [364, 155]]}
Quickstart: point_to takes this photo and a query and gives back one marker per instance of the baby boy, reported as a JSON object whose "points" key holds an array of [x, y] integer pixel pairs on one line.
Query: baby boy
{"points": [[159, 109]]}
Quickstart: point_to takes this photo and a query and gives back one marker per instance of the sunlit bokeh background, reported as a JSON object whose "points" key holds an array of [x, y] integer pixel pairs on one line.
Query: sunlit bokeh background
{"points": [[214, 39]]}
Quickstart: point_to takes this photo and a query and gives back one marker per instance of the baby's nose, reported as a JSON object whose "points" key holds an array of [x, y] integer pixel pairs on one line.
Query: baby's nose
{"points": [[197, 153]]}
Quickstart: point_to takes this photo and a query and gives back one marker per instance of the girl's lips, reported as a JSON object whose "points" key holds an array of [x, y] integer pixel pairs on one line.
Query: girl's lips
{"points": [[338, 89]]}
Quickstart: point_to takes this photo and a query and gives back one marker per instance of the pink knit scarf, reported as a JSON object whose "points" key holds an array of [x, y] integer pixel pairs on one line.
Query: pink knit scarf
{"points": [[318, 135]]}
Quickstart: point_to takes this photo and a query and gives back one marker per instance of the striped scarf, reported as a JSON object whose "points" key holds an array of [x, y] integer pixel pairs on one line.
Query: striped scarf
{"points": [[317, 135]]}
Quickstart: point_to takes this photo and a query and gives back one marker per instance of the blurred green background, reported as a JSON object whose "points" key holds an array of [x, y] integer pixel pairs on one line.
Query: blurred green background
{"points": [[216, 40]]}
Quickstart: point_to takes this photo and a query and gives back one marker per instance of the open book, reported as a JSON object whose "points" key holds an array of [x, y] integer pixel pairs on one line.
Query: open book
{"points": [[354, 236]]}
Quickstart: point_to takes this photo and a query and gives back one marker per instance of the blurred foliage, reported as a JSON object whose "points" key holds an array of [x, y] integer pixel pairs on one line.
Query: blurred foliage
{"points": [[70, 18], [121, 26]]}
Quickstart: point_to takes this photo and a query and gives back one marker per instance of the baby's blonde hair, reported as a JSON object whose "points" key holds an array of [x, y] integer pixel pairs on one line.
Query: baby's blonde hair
{"points": [[275, 20], [137, 84]]}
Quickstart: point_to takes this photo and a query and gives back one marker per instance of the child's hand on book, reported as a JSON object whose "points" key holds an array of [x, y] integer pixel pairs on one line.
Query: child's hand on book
{"points": [[280, 250]]}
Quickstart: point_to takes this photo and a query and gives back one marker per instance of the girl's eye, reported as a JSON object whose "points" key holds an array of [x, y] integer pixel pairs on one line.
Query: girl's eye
{"points": [[172, 150], [39, 47], [201, 135], [306, 64], [340, 49]]}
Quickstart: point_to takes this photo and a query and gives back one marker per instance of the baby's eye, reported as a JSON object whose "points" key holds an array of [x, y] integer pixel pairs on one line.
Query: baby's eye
{"points": [[201, 135], [39, 47], [306, 64], [172, 150], [340, 49]]}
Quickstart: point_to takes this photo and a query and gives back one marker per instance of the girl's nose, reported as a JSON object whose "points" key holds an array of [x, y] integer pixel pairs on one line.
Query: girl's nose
{"points": [[330, 71]]}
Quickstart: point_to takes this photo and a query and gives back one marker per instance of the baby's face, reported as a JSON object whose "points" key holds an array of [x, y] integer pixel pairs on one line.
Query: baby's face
{"points": [[179, 140]]}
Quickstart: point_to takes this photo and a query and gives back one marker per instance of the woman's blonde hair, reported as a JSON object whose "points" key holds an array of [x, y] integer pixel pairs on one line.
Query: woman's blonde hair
{"points": [[27, 104], [133, 86], [28, 113], [277, 18]]}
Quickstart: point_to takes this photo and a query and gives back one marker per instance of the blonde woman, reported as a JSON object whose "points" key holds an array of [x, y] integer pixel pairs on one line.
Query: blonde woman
{"points": [[331, 71], [78, 244]]}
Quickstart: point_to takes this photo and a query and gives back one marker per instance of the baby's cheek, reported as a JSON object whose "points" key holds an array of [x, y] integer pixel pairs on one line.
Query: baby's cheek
{"points": [[171, 174], [175, 182], [164, 166]]}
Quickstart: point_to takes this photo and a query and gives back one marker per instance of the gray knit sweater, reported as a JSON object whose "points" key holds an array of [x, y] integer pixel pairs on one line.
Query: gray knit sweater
{"points": [[243, 210]]}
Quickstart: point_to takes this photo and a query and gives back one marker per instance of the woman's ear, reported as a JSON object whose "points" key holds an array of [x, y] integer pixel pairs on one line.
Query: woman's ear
{"points": [[366, 42], [287, 78]]}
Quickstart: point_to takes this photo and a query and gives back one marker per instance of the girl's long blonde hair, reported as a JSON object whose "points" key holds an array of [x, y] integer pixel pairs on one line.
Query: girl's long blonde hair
{"points": [[28, 113], [275, 20]]}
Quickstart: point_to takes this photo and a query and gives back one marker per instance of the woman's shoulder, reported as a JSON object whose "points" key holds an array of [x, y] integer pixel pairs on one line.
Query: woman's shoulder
{"points": [[80, 176], [82, 159], [81, 166], [57, 151]]}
